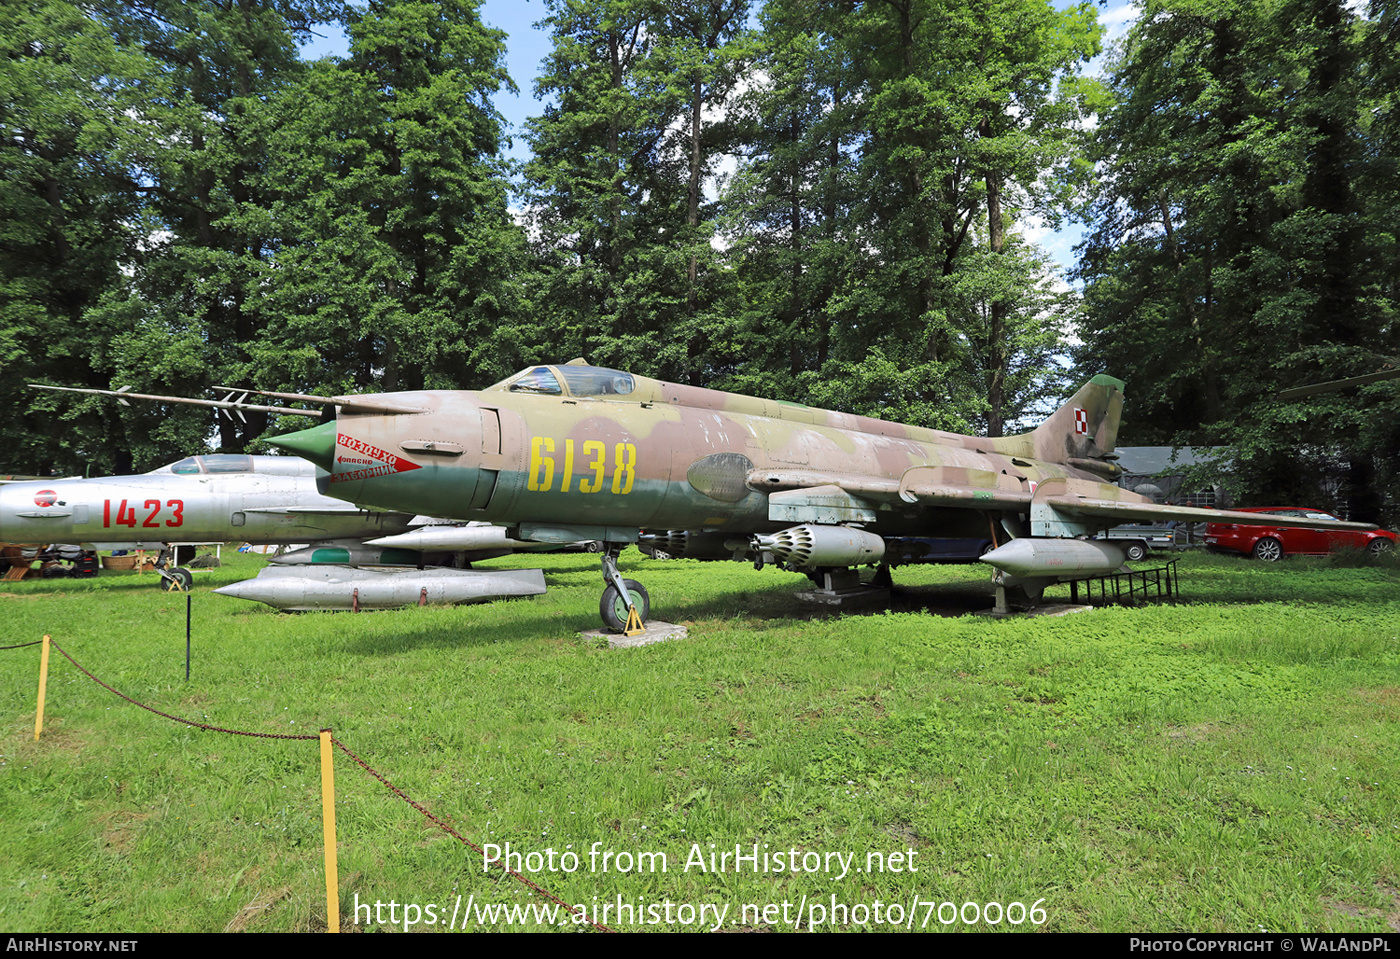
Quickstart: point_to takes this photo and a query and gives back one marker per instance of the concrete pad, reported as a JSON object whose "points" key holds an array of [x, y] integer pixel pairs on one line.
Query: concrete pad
{"points": [[858, 598], [656, 632], [1049, 609]]}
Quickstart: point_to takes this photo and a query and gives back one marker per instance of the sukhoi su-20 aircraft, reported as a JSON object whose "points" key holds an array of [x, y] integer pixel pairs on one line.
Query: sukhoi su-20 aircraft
{"points": [[576, 452]]}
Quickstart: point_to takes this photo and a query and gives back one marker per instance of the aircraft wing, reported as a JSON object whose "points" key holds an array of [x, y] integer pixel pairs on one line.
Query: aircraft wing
{"points": [[1107, 502], [855, 497], [922, 485]]}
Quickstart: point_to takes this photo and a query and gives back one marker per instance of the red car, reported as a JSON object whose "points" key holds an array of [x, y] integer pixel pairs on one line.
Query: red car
{"points": [[1273, 542]]}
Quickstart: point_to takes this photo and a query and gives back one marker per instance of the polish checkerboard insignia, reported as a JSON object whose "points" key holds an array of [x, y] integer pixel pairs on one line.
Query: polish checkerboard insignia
{"points": [[1081, 421]]}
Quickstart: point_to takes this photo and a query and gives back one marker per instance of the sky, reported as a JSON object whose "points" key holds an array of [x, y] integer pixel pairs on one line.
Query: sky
{"points": [[527, 46]]}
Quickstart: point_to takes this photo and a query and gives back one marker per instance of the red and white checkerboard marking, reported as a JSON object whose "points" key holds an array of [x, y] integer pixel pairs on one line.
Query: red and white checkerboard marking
{"points": [[1081, 421]]}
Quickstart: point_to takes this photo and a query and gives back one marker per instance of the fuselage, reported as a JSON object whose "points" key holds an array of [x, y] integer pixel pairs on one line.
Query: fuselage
{"points": [[580, 446]]}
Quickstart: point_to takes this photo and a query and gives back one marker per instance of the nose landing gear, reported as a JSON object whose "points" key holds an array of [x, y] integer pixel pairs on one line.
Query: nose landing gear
{"points": [[625, 604]]}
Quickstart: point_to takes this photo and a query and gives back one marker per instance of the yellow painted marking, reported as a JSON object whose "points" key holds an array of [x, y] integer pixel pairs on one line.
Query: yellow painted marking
{"points": [[539, 446], [625, 468], [541, 472], [568, 464], [328, 832], [598, 464], [43, 685]]}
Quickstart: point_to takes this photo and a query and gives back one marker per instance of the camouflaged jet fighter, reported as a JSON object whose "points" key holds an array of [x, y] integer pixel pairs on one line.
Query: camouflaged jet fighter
{"points": [[576, 452]]}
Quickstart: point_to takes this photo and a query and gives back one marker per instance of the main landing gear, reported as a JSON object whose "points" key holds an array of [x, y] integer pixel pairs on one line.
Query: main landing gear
{"points": [[625, 605]]}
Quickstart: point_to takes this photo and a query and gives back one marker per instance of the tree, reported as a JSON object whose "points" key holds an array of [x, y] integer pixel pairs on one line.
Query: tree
{"points": [[701, 54], [921, 131], [260, 223], [1028, 105], [1236, 243], [1017, 316], [395, 251], [628, 273], [75, 109], [191, 307], [789, 204]]}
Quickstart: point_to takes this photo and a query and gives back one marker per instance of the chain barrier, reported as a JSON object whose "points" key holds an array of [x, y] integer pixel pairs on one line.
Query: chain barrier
{"points": [[445, 827], [422, 810], [22, 645], [178, 719]]}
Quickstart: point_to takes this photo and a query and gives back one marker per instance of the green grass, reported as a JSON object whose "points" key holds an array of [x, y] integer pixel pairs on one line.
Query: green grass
{"points": [[1229, 764]]}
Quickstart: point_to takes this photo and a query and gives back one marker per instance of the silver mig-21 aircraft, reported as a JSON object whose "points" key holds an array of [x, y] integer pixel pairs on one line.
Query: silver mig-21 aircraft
{"points": [[574, 452], [262, 500]]}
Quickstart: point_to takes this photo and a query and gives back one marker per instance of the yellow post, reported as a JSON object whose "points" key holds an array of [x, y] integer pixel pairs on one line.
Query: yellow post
{"points": [[328, 831], [43, 685]]}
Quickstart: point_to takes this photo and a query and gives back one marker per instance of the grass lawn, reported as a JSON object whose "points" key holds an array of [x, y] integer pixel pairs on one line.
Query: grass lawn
{"points": [[1229, 764]]}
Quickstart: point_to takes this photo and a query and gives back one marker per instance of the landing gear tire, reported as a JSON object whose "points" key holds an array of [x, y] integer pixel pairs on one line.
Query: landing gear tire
{"points": [[1268, 550], [177, 580], [1136, 552], [614, 610]]}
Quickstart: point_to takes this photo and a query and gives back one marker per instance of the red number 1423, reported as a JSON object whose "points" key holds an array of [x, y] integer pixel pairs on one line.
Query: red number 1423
{"points": [[126, 515]]}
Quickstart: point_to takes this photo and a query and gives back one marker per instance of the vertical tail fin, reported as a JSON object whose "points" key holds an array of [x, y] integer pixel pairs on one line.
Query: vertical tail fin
{"points": [[1081, 433]]}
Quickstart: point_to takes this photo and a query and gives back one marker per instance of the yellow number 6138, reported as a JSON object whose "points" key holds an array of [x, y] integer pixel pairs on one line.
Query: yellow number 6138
{"points": [[541, 475]]}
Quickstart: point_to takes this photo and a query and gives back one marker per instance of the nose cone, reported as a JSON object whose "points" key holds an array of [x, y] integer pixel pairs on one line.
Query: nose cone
{"points": [[316, 444], [248, 589]]}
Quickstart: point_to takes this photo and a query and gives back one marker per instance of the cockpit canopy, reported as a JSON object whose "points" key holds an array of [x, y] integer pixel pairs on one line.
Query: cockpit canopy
{"points": [[570, 380], [224, 463]]}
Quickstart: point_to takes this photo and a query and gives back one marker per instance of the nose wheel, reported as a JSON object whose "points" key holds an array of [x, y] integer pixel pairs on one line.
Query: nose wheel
{"points": [[619, 615], [173, 578], [176, 580], [625, 605]]}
